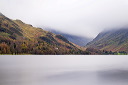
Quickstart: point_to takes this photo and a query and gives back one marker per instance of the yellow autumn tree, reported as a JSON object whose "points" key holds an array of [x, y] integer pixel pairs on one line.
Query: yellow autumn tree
{"points": [[4, 48]]}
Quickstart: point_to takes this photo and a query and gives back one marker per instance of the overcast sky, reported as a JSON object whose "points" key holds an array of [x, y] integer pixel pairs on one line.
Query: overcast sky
{"points": [[80, 17]]}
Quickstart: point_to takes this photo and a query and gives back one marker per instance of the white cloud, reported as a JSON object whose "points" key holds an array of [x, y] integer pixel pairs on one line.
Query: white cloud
{"points": [[81, 17]]}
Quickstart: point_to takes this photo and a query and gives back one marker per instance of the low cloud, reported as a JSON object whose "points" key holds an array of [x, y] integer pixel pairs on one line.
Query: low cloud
{"points": [[80, 17]]}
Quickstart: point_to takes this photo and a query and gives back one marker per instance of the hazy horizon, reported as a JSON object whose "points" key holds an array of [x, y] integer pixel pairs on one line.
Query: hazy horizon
{"points": [[78, 17]]}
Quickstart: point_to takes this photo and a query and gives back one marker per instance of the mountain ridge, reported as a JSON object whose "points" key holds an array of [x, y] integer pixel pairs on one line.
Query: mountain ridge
{"points": [[17, 37], [78, 40], [115, 40]]}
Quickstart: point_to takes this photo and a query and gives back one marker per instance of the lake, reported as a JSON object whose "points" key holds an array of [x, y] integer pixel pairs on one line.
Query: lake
{"points": [[63, 70]]}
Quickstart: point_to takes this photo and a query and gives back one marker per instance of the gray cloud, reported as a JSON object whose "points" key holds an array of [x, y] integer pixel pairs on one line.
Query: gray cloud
{"points": [[81, 17]]}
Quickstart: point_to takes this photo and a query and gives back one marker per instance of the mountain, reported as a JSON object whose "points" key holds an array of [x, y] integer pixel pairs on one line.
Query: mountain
{"points": [[1, 14], [78, 40], [112, 40], [16, 37]]}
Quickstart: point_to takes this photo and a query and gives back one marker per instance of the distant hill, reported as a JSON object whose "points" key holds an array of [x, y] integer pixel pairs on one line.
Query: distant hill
{"points": [[16, 37], [112, 40], [78, 40]]}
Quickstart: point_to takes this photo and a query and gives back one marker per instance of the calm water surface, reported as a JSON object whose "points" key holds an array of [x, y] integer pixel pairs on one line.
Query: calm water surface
{"points": [[63, 70]]}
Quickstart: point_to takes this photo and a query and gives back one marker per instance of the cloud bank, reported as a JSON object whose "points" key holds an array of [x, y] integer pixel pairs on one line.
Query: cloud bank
{"points": [[80, 17]]}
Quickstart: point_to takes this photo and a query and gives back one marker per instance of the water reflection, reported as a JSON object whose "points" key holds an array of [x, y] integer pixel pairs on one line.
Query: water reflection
{"points": [[63, 70]]}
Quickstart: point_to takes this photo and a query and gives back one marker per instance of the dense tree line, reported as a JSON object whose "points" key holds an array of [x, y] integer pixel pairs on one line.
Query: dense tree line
{"points": [[16, 47], [93, 51]]}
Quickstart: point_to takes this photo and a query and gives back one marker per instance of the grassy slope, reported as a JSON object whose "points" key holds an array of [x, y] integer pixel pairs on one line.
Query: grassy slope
{"points": [[116, 40], [23, 38]]}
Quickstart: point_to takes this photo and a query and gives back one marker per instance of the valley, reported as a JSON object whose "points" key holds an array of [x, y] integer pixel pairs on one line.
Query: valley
{"points": [[17, 37]]}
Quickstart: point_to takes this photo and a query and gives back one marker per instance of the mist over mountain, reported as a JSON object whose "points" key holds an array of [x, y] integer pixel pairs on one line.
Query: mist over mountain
{"points": [[79, 40], [69, 16], [112, 40], [1, 14], [17, 37]]}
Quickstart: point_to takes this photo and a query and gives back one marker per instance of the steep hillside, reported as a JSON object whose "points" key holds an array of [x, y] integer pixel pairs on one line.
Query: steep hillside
{"points": [[16, 37], [113, 40], [78, 40]]}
